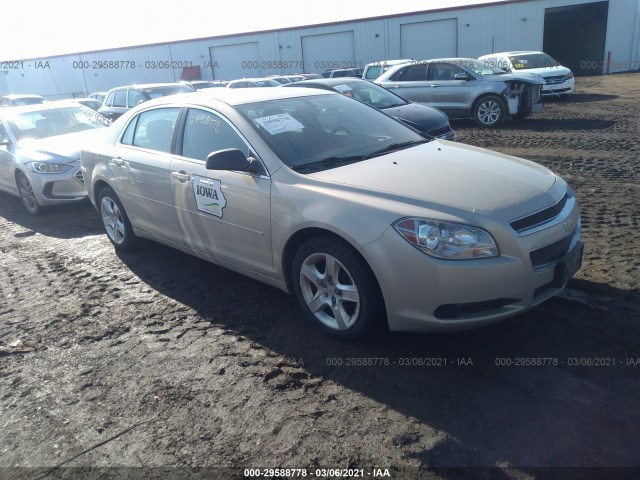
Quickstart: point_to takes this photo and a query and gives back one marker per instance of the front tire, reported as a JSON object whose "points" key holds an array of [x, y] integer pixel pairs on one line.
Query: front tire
{"points": [[336, 289], [115, 221], [490, 112], [27, 195]]}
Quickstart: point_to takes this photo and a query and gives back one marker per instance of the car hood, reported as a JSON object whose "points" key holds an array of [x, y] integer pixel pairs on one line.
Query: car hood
{"points": [[60, 148], [447, 173], [426, 118], [529, 77]]}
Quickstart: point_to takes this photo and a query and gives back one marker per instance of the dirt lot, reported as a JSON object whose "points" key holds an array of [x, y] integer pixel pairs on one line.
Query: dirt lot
{"points": [[158, 359]]}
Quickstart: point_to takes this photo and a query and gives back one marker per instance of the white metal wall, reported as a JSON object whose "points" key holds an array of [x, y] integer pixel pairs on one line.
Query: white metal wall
{"points": [[328, 51], [480, 30], [433, 39], [241, 60]]}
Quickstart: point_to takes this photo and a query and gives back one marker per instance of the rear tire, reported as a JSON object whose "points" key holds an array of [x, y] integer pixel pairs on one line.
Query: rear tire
{"points": [[490, 112], [336, 289], [115, 221]]}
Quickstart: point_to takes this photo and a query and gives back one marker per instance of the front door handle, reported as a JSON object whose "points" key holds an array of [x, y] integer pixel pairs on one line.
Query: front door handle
{"points": [[118, 161], [182, 176], [434, 85]]}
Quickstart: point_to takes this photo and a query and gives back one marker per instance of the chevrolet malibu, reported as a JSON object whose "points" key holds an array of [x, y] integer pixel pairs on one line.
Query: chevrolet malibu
{"points": [[40, 152], [363, 219]]}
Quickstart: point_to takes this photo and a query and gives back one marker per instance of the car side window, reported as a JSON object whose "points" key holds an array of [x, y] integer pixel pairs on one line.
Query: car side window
{"points": [[206, 132], [109, 101], [120, 98], [3, 134], [135, 97], [127, 137], [412, 73], [154, 129], [444, 71]]}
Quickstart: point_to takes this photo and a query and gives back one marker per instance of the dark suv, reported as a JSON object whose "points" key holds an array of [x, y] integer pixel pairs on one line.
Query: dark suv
{"points": [[121, 99]]}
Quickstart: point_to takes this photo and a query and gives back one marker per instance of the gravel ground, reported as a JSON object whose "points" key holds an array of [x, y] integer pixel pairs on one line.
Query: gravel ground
{"points": [[158, 359]]}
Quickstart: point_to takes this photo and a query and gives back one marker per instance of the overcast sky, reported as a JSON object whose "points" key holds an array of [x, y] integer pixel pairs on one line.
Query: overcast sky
{"points": [[40, 28]]}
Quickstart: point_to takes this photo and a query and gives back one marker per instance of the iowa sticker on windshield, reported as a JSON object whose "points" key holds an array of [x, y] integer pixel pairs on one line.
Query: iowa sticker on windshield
{"points": [[209, 196]]}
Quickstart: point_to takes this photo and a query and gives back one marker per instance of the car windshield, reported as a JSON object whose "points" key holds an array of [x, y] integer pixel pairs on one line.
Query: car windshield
{"points": [[55, 121], [532, 60], [326, 131], [479, 67], [371, 94]]}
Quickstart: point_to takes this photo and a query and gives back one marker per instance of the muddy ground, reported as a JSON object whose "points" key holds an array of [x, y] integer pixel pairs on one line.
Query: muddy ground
{"points": [[158, 359]]}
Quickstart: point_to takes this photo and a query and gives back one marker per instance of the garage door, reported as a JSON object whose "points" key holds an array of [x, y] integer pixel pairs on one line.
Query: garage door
{"points": [[425, 40], [230, 62], [328, 51], [565, 39]]}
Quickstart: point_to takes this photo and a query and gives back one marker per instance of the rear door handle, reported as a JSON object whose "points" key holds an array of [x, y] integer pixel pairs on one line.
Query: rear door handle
{"points": [[182, 176], [118, 161], [434, 85]]}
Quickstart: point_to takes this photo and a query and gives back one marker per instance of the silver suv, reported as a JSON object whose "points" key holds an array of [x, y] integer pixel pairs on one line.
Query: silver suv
{"points": [[466, 88]]}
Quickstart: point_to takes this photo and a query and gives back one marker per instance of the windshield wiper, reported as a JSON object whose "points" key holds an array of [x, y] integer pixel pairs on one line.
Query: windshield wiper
{"points": [[329, 162], [394, 105], [396, 146]]}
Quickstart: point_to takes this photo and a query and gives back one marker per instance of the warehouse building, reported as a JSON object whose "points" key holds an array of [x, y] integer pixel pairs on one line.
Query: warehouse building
{"points": [[588, 36]]}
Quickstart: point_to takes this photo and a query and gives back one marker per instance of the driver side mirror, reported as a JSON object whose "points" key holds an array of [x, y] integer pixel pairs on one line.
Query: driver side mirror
{"points": [[234, 160], [463, 76]]}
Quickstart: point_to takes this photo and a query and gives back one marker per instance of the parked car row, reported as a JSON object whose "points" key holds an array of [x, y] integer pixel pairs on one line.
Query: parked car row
{"points": [[559, 80]]}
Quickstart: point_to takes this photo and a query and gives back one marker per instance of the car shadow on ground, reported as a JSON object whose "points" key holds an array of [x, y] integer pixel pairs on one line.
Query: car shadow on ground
{"points": [[71, 220], [579, 98], [495, 406]]}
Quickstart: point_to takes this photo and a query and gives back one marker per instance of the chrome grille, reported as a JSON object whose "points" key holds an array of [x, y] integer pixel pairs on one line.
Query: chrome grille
{"points": [[523, 224], [78, 176], [550, 253], [555, 79]]}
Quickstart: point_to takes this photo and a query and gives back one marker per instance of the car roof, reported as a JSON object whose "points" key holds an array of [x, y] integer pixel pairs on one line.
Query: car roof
{"points": [[330, 82], [150, 85], [515, 52], [237, 96], [254, 79], [14, 96], [40, 107]]}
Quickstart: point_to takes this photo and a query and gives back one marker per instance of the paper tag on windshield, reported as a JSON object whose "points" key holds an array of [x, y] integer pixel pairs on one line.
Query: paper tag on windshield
{"points": [[280, 123]]}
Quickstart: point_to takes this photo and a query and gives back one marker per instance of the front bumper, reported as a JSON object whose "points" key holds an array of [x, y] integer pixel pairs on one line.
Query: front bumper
{"points": [[425, 294], [54, 188], [562, 88]]}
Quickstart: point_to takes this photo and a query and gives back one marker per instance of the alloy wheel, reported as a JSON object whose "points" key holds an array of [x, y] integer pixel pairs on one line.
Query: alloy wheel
{"points": [[112, 220], [330, 291]]}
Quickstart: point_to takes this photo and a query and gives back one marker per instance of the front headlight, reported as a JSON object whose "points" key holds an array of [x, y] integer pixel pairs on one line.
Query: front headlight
{"points": [[47, 167], [447, 240]]}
